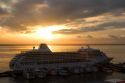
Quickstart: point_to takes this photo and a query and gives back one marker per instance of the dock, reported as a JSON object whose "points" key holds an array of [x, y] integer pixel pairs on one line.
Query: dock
{"points": [[120, 67], [6, 74]]}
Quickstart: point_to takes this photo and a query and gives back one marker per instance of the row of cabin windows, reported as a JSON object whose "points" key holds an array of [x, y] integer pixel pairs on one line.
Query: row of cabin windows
{"points": [[56, 58], [27, 63], [28, 69], [71, 55], [50, 62]]}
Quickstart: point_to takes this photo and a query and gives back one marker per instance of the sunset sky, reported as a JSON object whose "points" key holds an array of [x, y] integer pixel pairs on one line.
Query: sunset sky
{"points": [[62, 21]]}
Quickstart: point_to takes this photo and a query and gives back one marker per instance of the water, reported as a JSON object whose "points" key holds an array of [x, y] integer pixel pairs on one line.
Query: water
{"points": [[8, 52]]}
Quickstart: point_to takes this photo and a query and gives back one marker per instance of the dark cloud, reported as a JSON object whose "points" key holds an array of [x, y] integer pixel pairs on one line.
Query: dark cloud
{"points": [[68, 31], [117, 37], [3, 12], [113, 37], [76, 31], [90, 36], [22, 15], [47, 12], [113, 24], [83, 36], [99, 27]]}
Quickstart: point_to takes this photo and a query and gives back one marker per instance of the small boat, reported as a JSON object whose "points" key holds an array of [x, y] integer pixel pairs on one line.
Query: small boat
{"points": [[82, 69], [94, 69], [107, 70], [53, 72], [63, 72], [13, 75], [115, 81], [28, 75], [76, 70], [41, 74], [88, 69]]}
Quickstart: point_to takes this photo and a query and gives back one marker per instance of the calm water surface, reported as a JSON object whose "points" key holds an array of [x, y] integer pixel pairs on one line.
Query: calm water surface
{"points": [[115, 51]]}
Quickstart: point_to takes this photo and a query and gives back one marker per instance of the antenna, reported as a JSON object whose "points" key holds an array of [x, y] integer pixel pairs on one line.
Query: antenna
{"points": [[88, 46], [33, 47]]}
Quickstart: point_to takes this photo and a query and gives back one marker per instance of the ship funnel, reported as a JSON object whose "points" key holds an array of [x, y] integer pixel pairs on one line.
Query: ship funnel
{"points": [[44, 48]]}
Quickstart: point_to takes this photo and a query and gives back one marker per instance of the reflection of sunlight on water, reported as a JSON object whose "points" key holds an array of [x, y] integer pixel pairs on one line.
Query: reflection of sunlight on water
{"points": [[15, 49], [4, 61], [4, 64]]}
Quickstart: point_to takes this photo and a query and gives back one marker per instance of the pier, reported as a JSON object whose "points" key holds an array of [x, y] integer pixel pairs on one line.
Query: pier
{"points": [[120, 67], [6, 74]]}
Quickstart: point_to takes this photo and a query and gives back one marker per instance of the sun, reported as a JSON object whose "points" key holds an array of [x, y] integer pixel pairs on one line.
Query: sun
{"points": [[47, 32]]}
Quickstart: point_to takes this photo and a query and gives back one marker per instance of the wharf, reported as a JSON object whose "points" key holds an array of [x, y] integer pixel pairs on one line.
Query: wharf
{"points": [[6, 74], [120, 67]]}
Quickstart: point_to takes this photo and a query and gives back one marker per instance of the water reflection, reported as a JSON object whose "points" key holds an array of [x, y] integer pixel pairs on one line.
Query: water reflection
{"points": [[91, 78]]}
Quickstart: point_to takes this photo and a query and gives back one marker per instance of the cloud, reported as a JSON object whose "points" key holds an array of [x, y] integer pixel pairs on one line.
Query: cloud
{"points": [[90, 36], [113, 37], [47, 12], [68, 31], [85, 36], [107, 25], [118, 37], [3, 13]]}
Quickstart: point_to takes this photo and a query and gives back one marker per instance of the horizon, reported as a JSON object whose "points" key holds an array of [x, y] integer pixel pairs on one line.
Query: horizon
{"points": [[55, 44]]}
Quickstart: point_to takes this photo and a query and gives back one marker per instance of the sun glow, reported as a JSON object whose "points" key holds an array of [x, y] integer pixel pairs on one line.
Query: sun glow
{"points": [[47, 32]]}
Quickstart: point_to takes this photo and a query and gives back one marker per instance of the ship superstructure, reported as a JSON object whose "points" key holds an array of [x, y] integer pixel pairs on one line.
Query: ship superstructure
{"points": [[43, 60]]}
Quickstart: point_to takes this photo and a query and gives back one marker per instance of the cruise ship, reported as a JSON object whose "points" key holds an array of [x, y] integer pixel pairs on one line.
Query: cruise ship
{"points": [[42, 61]]}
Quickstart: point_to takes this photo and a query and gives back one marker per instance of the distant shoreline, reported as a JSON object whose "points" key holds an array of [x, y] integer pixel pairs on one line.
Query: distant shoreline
{"points": [[55, 44]]}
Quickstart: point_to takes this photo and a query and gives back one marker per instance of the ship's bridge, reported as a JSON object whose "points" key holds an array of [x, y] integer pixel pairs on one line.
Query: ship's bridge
{"points": [[44, 48]]}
